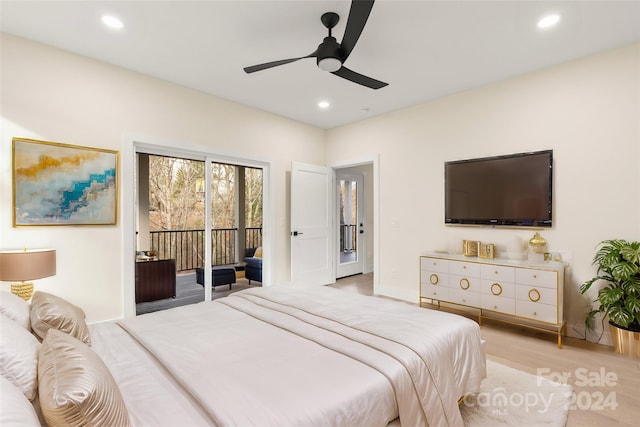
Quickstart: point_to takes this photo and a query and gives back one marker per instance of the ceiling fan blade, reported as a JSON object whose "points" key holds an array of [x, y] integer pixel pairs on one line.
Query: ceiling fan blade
{"points": [[266, 65], [358, 15], [350, 75], [272, 64]]}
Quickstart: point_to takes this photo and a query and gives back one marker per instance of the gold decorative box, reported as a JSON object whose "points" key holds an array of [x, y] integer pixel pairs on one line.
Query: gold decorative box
{"points": [[486, 250], [470, 247]]}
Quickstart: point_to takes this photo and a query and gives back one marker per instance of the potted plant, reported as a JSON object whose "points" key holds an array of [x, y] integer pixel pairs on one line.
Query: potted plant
{"points": [[618, 263]]}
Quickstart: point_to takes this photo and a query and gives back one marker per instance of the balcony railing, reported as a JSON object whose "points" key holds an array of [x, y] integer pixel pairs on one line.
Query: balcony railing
{"points": [[348, 237], [187, 246]]}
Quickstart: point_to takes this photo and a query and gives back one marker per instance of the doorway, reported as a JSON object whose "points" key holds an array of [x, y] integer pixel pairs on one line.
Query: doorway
{"points": [[350, 192], [315, 226], [193, 216]]}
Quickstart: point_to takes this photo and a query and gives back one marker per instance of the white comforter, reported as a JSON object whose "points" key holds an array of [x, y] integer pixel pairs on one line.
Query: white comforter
{"points": [[296, 357]]}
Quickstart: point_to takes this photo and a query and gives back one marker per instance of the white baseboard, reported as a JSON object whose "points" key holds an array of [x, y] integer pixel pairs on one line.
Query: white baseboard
{"points": [[401, 294]]}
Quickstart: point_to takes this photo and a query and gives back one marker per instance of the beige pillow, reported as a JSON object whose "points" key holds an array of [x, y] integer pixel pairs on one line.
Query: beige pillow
{"points": [[52, 312], [19, 357], [15, 308], [16, 409], [258, 252], [75, 387]]}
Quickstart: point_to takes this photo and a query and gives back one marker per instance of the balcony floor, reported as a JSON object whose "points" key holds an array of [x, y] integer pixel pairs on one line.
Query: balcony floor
{"points": [[190, 292]]}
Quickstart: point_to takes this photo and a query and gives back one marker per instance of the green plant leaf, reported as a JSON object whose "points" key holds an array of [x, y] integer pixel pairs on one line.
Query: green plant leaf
{"points": [[620, 316], [631, 253], [623, 270], [610, 296], [586, 285], [590, 320], [632, 304], [633, 286]]}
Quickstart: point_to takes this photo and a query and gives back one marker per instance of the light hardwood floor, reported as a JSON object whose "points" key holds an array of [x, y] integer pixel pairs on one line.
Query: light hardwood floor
{"points": [[600, 378]]}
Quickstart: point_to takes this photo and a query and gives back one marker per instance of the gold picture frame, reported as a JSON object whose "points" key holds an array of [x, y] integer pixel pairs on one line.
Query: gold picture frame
{"points": [[486, 250], [63, 184], [470, 247]]}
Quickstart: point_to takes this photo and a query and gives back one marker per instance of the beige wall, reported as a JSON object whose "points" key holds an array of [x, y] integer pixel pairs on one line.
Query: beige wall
{"points": [[587, 111], [51, 95]]}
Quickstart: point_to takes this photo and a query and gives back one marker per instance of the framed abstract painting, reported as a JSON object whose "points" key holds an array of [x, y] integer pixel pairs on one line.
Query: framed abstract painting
{"points": [[62, 184]]}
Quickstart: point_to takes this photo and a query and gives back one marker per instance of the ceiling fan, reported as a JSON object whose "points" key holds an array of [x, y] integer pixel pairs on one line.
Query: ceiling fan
{"points": [[331, 55]]}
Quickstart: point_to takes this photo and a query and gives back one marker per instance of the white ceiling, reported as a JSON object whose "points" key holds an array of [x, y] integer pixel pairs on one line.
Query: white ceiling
{"points": [[423, 49]]}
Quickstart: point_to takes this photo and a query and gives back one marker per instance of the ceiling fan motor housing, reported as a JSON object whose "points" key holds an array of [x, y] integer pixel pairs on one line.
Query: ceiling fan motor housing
{"points": [[329, 49]]}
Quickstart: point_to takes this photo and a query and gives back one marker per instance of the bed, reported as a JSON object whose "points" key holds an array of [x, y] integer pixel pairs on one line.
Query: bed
{"points": [[291, 356]]}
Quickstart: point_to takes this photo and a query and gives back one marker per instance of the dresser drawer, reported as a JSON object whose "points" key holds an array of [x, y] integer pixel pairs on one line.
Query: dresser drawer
{"points": [[467, 269], [434, 264], [537, 311], [464, 283], [499, 304], [434, 292], [434, 278], [498, 288], [537, 294], [469, 298], [538, 278], [498, 273]]}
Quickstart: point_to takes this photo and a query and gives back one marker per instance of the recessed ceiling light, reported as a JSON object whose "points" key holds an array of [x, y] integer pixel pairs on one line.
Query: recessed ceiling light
{"points": [[323, 104], [112, 22], [548, 21]]}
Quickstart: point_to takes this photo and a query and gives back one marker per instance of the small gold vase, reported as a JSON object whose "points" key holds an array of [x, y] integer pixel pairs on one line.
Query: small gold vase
{"points": [[538, 244]]}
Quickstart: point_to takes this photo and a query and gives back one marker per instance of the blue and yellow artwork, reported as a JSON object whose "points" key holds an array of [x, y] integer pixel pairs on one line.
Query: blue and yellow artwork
{"points": [[61, 184]]}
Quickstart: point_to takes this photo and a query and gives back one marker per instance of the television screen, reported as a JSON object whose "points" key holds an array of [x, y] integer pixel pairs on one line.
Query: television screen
{"points": [[514, 190]]}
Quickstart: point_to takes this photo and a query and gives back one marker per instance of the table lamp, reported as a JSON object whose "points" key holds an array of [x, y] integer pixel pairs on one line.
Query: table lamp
{"points": [[22, 265]]}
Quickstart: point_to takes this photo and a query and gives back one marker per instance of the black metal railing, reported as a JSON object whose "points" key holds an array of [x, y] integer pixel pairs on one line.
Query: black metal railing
{"points": [[348, 237], [187, 246], [253, 237]]}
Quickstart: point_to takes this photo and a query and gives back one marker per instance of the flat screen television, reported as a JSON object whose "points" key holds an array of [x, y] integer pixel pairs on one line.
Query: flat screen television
{"points": [[510, 190]]}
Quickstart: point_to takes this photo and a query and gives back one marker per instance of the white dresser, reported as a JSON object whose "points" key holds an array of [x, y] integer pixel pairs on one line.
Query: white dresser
{"points": [[518, 292]]}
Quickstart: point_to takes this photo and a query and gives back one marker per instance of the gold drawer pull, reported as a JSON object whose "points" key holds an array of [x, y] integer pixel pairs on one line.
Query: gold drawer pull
{"points": [[495, 307], [434, 279], [464, 267], [496, 289], [535, 276], [535, 313], [496, 272], [435, 293], [464, 284], [534, 295]]}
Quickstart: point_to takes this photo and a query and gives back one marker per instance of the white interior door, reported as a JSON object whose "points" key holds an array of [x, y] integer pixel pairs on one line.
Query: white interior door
{"points": [[350, 231], [312, 231]]}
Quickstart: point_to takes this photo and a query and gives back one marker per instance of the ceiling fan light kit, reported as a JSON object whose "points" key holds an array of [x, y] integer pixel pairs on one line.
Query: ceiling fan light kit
{"points": [[331, 55], [329, 64]]}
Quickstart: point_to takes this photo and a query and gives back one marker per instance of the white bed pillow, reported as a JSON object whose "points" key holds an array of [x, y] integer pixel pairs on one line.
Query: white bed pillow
{"points": [[75, 387], [19, 357], [15, 410], [15, 308], [52, 312]]}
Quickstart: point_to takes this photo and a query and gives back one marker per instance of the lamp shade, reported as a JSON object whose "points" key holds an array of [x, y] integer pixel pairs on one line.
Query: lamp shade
{"points": [[24, 265]]}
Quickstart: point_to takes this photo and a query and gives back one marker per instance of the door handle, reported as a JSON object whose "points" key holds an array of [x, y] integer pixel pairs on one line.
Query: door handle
{"points": [[361, 231], [295, 233]]}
